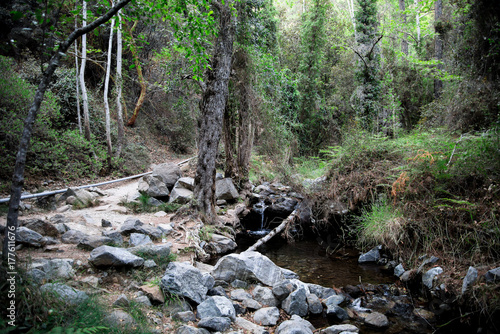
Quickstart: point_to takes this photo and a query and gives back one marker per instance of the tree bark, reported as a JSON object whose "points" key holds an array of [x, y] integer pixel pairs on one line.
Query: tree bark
{"points": [[142, 82], [404, 42], [212, 108], [18, 176], [85, 99], [106, 89], [119, 83], [438, 83], [78, 111]]}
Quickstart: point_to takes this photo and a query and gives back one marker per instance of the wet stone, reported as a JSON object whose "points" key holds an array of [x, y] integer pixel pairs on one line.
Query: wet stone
{"points": [[377, 320]]}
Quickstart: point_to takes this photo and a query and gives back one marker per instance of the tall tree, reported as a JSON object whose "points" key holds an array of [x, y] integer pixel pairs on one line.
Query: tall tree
{"points": [[119, 84], [438, 46], [78, 111], [404, 41], [85, 99], [18, 176], [106, 90]]}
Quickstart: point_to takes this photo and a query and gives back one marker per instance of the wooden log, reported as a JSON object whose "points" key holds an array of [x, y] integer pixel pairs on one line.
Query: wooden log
{"points": [[275, 231]]}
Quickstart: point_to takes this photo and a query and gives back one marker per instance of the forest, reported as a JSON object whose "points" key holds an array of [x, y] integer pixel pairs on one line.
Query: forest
{"points": [[383, 114]]}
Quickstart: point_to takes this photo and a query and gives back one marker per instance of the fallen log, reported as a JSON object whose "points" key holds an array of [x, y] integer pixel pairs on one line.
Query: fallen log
{"points": [[275, 231]]}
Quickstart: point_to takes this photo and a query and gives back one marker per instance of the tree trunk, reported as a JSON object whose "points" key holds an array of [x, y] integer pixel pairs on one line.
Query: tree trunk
{"points": [[212, 111], [404, 42], [275, 231], [438, 84], [142, 82], [18, 176], [106, 89], [229, 130], [119, 83], [245, 133], [85, 99], [78, 111], [417, 22]]}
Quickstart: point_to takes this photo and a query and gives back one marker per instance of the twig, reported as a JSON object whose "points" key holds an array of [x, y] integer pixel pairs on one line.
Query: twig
{"points": [[452, 153]]}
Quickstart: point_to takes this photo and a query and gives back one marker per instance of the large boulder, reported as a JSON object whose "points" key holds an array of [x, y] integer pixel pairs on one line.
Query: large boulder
{"points": [[282, 207], [184, 280], [137, 239], [265, 296], [220, 244], [41, 226], [29, 237], [225, 189], [151, 250], [134, 225], [296, 303], [64, 293], [153, 186], [107, 256], [180, 195], [372, 256], [79, 196], [247, 266], [296, 325], [168, 173], [216, 306], [186, 183], [215, 324], [94, 241], [59, 269], [267, 316]]}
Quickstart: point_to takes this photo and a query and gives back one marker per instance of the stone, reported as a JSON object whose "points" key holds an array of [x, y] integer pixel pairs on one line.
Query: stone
{"points": [[334, 300], [399, 270], [143, 300], [73, 237], [150, 264], [296, 303], [134, 225], [93, 241], [220, 244], [29, 237], [469, 279], [336, 313], [165, 229], [239, 284], [43, 227], [265, 296], [115, 236], [430, 275], [216, 306], [295, 325], [251, 266], [155, 202], [64, 293], [372, 256], [169, 173], [321, 291], [282, 207], [314, 304], [267, 316], [184, 316], [217, 291], [152, 186], [121, 301], [492, 275], [433, 259], [424, 314], [182, 279], [106, 223], [376, 319], [180, 195], [81, 196], [37, 276], [108, 256], [151, 250], [186, 182], [337, 329], [120, 319], [154, 294], [282, 289], [160, 214], [225, 189], [249, 327], [288, 274], [215, 324], [137, 239], [58, 269], [240, 295], [251, 304], [191, 330]]}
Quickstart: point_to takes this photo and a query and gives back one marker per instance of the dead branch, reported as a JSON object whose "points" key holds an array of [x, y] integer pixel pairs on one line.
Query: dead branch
{"points": [[271, 234]]}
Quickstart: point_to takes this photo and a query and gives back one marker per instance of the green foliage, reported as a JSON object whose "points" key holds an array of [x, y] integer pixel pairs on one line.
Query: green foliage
{"points": [[310, 167], [206, 233]]}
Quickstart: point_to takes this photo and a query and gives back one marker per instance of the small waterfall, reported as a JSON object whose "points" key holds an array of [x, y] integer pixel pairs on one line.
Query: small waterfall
{"points": [[260, 208]]}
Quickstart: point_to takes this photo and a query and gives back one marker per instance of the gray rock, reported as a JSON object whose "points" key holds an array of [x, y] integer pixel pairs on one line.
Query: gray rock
{"points": [[59, 269], [121, 301], [73, 237], [153, 186], [93, 241], [182, 279], [239, 284], [217, 291], [288, 274], [225, 189], [165, 229], [240, 295], [295, 325], [143, 300], [376, 319], [220, 244], [249, 327], [168, 173], [372, 256], [37, 276], [150, 264], [399, 270], [81, 196], [429, 277], [120, 319], [282, 207], [29, 237], [185, 316], [216, 306], [321, 291], [247, 266], [107, 256], [186, 182], [334, 300], [267, 316], [151, 250], [137, 239], [64, 293], [265, 296], [155, 202], [191, 330], [180, 195], [134, 225], [469, 279], [106, 223], [251, 304], [215, 324], [314, 304], [433, 259], [115, 236], [296, 303], [336, 313], [337, 329], [40, 226], [492, 275], [282, 289]]}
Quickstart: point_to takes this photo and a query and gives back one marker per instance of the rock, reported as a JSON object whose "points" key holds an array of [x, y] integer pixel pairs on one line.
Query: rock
{"points": [[336, 313], [321, 291], [107, 256], [150, 264], [282, 207], [73, 237], [153, 186], [106, 223], [433, 259], [216, 306], [37, 276], [64, 293], [134, 225], [165, 229], [283, 289], [314, 304], [191, 330], [81, 196], [265, 296], [59, 269], [249, 326], [239, 284], [429, 277], [215, 324], [115, 236], [492, 275], [43, 227], [424, 314], [372, 256], [240, 295], [186, 182], [180, 195], [288, 274], [121, 301], [184, 280], [247, 266], [151, 250], [217, 291], [267, 316], [376, 319], [337, 329], [220, 244], [334, 300], [408, 275], [251, 304], [225, 189], [399, 270], [155, 202], [154, 294], [160, 214], [137, 239], [168, 173], [295, 325], [143, 300], [91, 242], [29, 237], [469, 279], [296, 303], [120, 319], [185, 316]]}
